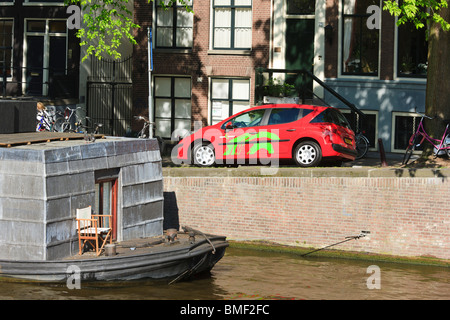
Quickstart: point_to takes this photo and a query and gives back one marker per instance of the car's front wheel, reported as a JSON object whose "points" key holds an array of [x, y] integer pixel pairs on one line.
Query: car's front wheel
{"points": [[204, 155], [307, 154]]}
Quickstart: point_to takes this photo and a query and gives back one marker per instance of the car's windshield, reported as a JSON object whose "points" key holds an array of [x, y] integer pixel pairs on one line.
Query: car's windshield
{"points": [[248, 119]]}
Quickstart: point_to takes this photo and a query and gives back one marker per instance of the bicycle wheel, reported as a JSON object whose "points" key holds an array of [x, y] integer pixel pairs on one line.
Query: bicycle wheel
{"points": [[61, 125], [362, 146], [410, 149], [447, 145]]}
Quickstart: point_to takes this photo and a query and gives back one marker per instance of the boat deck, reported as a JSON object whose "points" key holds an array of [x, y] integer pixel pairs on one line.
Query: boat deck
{"points": [[156, 258], [26, 138], [141, 246]]}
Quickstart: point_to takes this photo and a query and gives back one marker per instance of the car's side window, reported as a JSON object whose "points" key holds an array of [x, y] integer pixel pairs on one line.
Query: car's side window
{"points": [[331, 116], [283, 115], [245, 120]]}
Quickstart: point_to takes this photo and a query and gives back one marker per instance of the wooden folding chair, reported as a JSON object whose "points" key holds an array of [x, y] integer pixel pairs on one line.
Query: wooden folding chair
{"points": [[93, 229]]}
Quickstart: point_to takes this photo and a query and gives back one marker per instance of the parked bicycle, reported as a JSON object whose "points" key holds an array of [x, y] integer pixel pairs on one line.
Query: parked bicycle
{"points": [[64, 123], [362, 145], [440, 145], [143, 133], [45, 121]]}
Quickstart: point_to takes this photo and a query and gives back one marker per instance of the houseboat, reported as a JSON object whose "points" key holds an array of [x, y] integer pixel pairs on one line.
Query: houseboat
{"points": [[46, 178]]}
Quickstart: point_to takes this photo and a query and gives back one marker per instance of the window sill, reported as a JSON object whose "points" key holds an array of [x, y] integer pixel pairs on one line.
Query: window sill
{"points": [[168, 50], [230, 52]]}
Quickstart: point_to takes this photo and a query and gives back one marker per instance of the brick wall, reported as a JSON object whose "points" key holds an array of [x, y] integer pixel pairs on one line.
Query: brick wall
{"points": [[400, 213]]}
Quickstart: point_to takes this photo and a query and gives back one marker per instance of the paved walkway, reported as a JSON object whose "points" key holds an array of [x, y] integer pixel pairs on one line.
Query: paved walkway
{"points": [[372, 159]]}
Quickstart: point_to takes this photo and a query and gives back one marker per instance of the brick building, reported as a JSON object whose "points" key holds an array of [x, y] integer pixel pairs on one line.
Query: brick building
{"points": [[205, 64]]}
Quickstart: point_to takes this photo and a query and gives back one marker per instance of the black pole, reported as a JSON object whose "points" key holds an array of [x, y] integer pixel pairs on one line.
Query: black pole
{"points": [[363, 234]]}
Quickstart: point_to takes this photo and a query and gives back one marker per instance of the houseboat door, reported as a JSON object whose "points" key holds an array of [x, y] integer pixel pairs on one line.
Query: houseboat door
{"points": [[106, 201]]}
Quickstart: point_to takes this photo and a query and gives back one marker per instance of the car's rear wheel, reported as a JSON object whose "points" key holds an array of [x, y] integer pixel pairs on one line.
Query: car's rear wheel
{"points": [[204, 155], [307, 154]]}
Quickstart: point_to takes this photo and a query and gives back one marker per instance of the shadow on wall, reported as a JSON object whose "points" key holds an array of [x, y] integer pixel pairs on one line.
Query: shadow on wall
{"points": [[171, 220]]}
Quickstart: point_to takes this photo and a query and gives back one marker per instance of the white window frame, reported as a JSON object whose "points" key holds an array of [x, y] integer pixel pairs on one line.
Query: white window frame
{"points": [[231, 49], [9, 78], [230, 98], [341, 35], [173, 98], [174, 28], [401, 114], [395, 76], [371, 112], [46, 63], [43, 3]]}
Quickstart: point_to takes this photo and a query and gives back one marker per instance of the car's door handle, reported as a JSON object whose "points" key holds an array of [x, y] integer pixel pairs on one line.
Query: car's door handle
{"points": [[252, 132], [290, 130]]}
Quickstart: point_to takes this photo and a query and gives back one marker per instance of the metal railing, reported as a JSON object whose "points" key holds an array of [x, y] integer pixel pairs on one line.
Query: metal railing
{"points": [[304, 91], [30, 81]]}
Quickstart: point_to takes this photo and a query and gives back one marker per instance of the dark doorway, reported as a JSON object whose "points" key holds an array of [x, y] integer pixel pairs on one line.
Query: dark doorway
{"points": [[300, 51], [35, 64]]}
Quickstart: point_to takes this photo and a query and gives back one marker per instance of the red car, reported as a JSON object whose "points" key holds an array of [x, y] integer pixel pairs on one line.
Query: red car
{"points": [[307, 134]]}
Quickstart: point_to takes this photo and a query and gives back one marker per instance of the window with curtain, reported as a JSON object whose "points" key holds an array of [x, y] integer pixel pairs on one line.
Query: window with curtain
{"points": [[232, 27], [6, 42], [412, 51], [174, 25], [172, 103], [360, 45], [228, 96]]}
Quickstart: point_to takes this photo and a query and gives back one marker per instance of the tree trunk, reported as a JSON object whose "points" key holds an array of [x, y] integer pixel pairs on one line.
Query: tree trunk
{"points": [[438, 81]]}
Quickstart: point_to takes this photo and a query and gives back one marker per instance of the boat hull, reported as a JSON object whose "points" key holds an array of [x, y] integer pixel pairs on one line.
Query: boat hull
{"points": [[176, 262]]}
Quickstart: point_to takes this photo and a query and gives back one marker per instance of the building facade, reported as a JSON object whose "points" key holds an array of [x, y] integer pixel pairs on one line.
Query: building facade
{"points": [[204, 64], [39, 55]]}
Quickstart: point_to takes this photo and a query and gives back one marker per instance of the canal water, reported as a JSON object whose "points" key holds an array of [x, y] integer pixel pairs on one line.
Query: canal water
{"points": [[245, 274]]}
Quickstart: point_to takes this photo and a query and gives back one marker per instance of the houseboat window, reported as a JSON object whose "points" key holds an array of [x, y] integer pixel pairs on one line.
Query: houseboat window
{"points": [[174, 25], [360, 45], [6, 38], [232, 24]]}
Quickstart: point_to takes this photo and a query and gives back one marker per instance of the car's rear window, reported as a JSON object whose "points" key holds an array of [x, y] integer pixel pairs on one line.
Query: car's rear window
{"points": [[331, 116], [286, 115]]}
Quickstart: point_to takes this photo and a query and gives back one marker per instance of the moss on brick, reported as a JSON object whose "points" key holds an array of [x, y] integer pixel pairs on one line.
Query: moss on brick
{"points": [[339, 254]]}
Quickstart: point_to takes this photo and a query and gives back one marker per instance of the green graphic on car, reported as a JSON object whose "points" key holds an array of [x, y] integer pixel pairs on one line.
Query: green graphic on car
{"points": [[232, 145]]}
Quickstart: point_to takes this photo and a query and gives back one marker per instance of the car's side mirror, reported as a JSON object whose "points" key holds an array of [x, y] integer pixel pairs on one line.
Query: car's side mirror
{"points": [[229, 126]]}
